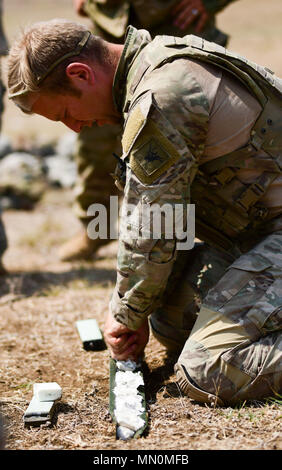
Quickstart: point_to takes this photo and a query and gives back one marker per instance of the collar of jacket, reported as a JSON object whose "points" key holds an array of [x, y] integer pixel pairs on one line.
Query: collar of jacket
{"points": [[135, 41]]}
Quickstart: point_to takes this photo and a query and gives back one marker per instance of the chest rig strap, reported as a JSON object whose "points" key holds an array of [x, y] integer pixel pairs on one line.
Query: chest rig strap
{"points": [[221, 171]]}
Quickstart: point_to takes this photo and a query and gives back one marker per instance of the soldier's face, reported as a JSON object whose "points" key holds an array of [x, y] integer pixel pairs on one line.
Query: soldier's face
{"points": [[95, 103], [65, 108], [74, 112]]}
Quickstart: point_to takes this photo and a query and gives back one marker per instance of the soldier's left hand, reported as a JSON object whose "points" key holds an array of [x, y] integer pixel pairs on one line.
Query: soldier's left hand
{"points": [[187, 12]]}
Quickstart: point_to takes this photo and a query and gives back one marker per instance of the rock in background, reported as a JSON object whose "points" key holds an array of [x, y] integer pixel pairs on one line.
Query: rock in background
{"points": [[22, 180], [26, 174], [61, 168], [5, 146]]}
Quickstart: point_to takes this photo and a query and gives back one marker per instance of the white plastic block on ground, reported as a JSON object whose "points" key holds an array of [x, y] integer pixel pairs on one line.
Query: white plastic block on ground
{"points": [[42, 405], [48, 391]]}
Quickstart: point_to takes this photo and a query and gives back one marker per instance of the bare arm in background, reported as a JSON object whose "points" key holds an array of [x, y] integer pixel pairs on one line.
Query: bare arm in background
{"points": [[78, 6], [184, 13]]}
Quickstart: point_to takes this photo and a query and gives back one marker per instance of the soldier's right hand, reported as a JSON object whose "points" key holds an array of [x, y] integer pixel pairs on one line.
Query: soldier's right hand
{"points": [[124, 343]]}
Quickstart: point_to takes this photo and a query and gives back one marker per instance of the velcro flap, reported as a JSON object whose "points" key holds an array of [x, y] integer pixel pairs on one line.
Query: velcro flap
{"points": [[136, 120]]}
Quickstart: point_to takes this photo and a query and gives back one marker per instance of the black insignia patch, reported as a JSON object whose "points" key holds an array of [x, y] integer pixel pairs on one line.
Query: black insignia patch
{"points": [[151, 156]]}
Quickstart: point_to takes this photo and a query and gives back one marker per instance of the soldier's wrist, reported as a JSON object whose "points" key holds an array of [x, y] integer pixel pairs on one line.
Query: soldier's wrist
{"points": [[124, 314]]}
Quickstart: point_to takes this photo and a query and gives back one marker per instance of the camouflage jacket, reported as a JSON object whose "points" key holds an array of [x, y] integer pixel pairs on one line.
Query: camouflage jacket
{"points": [[113, 16], [166, 120]]}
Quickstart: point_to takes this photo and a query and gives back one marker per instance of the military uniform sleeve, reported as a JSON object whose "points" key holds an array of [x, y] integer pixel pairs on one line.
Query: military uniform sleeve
{"points": [[163, 139], [215, 6], [159, 166], [111, 17]]}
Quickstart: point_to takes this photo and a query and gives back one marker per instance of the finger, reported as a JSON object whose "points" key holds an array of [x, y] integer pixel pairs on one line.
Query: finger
{"points": [[118, 337], [187, 18], [184, 14], [122, 344], [180, 5], [117, 329], [127, 354], [201, 23]]}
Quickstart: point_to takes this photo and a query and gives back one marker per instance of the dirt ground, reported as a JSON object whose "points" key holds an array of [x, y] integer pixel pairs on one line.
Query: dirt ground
{"points": [[41, 298]]}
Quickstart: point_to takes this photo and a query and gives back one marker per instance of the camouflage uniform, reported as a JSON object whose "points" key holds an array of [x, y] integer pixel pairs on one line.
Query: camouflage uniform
{"points": [[180, 146], [96, 145], [3, 51]]}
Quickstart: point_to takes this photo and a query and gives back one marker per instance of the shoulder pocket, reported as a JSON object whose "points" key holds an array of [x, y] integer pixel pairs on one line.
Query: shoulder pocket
{"points": [[152, 154], [150, 151]]}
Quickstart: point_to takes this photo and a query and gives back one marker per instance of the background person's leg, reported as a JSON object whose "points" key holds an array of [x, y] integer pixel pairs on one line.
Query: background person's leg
{"points": [[95, 163]]}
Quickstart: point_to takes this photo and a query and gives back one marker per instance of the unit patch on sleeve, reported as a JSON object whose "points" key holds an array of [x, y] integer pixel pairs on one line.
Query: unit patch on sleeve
{"points": [[152, 154]]}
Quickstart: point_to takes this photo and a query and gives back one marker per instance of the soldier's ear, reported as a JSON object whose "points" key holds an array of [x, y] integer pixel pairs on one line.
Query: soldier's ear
{"points": [[80, 73]]}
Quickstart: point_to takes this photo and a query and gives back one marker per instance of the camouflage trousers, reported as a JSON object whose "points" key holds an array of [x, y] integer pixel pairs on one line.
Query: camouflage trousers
{"points": [[95, 163], [234, 348]]}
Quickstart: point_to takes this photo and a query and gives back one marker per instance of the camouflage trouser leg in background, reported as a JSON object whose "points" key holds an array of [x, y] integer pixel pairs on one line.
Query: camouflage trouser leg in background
{"points": [[95, 164], [234, 351]]}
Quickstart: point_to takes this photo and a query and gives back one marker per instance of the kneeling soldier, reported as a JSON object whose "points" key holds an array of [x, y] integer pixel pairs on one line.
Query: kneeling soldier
{"points": [[201, 125]]}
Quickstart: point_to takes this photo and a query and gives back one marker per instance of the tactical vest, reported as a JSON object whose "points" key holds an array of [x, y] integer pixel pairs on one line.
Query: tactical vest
{"points": [[227, 209]]}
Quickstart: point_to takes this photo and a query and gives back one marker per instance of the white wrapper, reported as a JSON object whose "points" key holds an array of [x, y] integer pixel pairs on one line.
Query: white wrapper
{"points": [[128, 401]]}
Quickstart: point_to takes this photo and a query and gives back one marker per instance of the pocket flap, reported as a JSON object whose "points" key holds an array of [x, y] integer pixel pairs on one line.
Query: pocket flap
{"points": [[251, 262]]}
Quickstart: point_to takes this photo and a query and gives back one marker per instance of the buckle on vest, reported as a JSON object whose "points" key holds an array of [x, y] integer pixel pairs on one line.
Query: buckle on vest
{"points": [[256, 140], [250, 196], [222, 177]]}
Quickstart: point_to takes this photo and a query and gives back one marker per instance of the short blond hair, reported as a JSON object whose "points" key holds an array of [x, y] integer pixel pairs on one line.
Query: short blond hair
{"points": [[40, 46]]}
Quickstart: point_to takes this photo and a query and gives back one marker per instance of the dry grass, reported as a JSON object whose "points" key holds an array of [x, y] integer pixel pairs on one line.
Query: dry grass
{"points": [[41, 299]]}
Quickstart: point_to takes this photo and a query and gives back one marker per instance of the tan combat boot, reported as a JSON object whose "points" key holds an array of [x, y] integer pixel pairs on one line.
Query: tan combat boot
{"points": [[80, 247]]}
